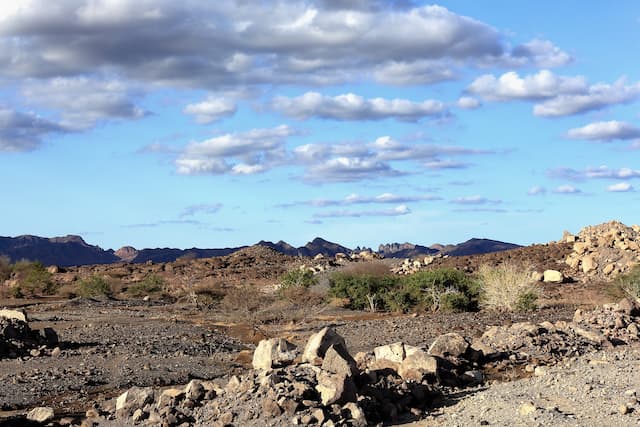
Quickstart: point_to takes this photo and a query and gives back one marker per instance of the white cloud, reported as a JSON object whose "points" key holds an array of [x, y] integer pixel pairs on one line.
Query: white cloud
{"points": [[354, 107], [397, 211], [446, 164], [356, 199], [418, 72], [542, 53], [596, 97], [240, 153], [211, 109], [475, 200], [348, 169], [567, 189], [601, 172], [468, 103], [82, 102], [556, 95], [621, 187], [605, 131], [536, 191]]}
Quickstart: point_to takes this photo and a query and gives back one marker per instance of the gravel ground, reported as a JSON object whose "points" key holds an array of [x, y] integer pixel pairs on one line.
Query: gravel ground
{"points": [[593, 390]]}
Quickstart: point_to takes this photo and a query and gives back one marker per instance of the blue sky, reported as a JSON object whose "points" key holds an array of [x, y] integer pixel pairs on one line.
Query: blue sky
{"points": [[212, 124]]}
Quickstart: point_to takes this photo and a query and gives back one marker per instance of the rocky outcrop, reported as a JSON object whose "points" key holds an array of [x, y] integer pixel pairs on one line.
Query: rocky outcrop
{"points": [[603, 251], [18, 339]]}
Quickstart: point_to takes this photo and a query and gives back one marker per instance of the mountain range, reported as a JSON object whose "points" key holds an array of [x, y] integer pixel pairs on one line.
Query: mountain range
{"points": [[73, 250]]}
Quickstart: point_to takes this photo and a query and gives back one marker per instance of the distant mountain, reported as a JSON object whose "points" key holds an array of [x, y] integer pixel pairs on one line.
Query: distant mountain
{"points": [[405, 250], [311, 249], [73, 250], [62, 251], [479, 246]]}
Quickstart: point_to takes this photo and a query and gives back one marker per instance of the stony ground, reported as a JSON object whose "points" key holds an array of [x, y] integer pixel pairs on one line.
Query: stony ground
{"points": [[599, 389]]}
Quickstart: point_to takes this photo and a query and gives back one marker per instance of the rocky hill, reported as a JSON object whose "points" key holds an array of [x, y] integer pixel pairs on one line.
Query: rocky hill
{"points": [[405, 250], [479, 246], [63, 251]]}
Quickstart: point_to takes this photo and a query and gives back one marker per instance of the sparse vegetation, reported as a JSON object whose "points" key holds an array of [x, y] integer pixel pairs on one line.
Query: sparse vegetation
{"points": [[32, 279], [151, 284], [5, 268], [444, 289], [508, 287], [94, 286], [295, 280], [629, 283]]}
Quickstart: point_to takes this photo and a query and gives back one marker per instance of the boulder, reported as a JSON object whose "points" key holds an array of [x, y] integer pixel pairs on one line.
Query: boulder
{"points": [[418, 365], [451, 344], [274, 352], [14, 314], [337, 361], [553, 276], [133, 399], [42, 414], [391, 352], [355, 414], [335, 388], [319, 343], [588, 264]]}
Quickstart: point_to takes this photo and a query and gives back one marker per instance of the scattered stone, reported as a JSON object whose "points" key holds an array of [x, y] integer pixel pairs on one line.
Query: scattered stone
{"points": [[319, 343], [274, 352], [452, 344], [14, 315], [553, 276], [42, 414], [527, 408]]}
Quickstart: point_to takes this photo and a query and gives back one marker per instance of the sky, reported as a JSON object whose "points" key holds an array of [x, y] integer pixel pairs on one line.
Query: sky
{"points": [[156, 123]]}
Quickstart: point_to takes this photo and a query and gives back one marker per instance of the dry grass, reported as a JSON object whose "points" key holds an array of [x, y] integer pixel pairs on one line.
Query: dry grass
{"points": [[369, 268], [507, 287]]}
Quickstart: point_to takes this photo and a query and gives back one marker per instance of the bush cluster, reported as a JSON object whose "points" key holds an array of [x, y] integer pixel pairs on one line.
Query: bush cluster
{"points": [[442, 289], [94, 286], [32, 279], [630, 282], [151, 284]]}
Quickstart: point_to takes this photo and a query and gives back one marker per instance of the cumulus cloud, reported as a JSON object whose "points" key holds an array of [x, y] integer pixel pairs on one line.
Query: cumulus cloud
{"points": [[354, 107], [605, 131], [621, 187], [474, 200], [596, 97], [24, 131], [542, 53], [211, 109], [567, 189], [204, 208], [346, 169], [418, 72], [601, 172], [82, 102], [536, 191], [556, 95], [239, 153], [468, 103], [397, 211], [510, 86]]}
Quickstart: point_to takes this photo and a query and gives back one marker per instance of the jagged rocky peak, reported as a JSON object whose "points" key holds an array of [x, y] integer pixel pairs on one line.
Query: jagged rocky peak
{"points": [[126, 253]]}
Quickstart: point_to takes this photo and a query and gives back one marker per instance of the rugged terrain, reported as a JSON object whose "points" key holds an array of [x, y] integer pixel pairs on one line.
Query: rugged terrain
{"points": [[571, 362]]}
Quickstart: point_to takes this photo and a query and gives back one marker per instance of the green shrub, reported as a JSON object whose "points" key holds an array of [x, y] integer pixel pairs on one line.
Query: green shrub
{"points": [[150, 285], [630, 282], [297, 278], [508, 287], [363, 291], [443, 289], [94, 286], [32, 279]]}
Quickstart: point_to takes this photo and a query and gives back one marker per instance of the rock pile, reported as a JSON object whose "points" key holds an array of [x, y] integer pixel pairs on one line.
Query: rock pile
{"points": [[17, 339], [603, 251], [324, 385], [411, 266], [534, 345]]}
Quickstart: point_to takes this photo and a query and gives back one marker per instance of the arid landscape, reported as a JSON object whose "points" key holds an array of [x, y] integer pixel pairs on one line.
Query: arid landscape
{"points": [[259, 338]]}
